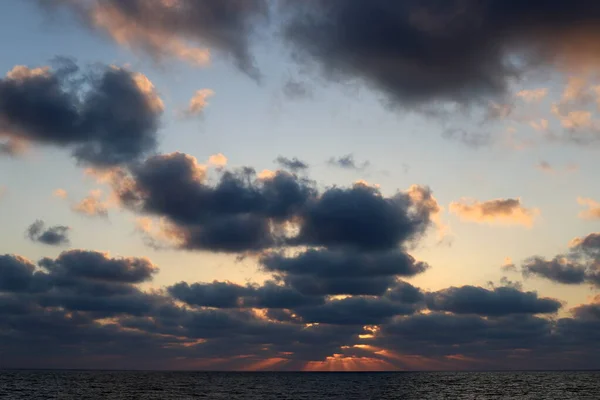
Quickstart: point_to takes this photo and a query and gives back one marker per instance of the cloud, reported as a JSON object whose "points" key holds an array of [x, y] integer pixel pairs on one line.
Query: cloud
{"points": [[593, 211], [348, 162], [106, 117], [87, 302], [60, 193], [579, 266], [354, 311], [245, 212], [503, 211], [559, 269], [339, 272], [509, 265], [218, 160], [92, 205], [177, 29], [533, 95], [361, 217], [295, 90], [53, 236], [497, 302], [229, 295], [546, 167], [420, 53], [80, 264], [13, 147], [198, 102], [293, 164]]}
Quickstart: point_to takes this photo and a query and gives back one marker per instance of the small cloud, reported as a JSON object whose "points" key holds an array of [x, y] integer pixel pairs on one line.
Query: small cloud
{"points": [[533, 95], [198, 102], [53, 236], [92, 205], [498, 211], [296, 90], [540, 125], [508, 265], [470, 139], [593, 211], [293, 164], [218, 160], [60, 193], [348, 162], [546, 167]]}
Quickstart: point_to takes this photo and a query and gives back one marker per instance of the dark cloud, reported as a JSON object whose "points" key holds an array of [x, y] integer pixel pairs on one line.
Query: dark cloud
{"points": [[404, 292], [331, 272], [229, 295], [427, 52], [588, 312], [108, 117], [85, 307], [177, 29], [581, 265], [362, 217], [99, 266], [496, 302], [293, 164], [53, 236], [354, 311], [295, 90], [558, 269], [239, 213], [243, 212], [15, 273], [348, 162]]}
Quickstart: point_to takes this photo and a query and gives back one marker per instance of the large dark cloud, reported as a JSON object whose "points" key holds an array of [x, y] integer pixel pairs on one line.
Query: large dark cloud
{"points": [[85, 307], [106, 117], [558, 270], [54, 236], [581, 265], [331, 272], [496, 302], [96, 265], [15, 273], [229, 295], [432, 51], [355, 311], [361, 217], [165, 29], [243, 212]]}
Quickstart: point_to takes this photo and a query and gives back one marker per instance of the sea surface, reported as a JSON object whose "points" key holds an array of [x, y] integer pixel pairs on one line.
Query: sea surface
{"points": [[31, 385]]}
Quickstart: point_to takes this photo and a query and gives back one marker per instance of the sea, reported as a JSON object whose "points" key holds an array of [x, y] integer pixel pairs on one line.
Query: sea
{"points": [[33, 385]]}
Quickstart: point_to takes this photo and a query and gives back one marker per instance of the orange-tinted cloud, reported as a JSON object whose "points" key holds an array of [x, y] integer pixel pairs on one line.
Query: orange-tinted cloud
{"points": [[60, 193], [217, 160], [92, 205], [593, 211], [533, 95], [497, 211], [198, 102]]}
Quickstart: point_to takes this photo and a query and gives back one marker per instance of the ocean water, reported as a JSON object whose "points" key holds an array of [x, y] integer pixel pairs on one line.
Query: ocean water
{"points": [[30, 385]]}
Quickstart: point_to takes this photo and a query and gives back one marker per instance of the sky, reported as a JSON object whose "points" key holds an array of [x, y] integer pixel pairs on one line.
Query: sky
{"points": [[282, 185]]}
